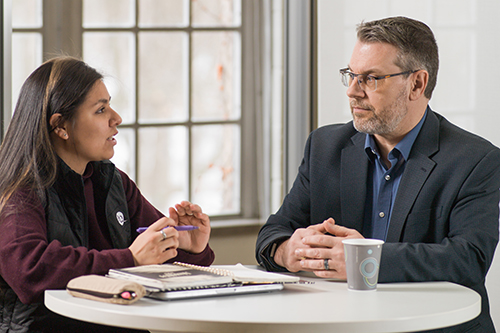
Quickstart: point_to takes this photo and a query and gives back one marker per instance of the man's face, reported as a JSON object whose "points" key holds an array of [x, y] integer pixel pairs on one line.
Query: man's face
{"points": [[383, 111]]}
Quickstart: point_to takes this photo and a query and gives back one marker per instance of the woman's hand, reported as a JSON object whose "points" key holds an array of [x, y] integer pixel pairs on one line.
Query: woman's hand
{"points": [[186, 213], [157, 244]]}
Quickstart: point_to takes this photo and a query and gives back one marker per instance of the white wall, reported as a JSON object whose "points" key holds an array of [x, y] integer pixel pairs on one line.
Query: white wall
{"points": [[468, 88]]}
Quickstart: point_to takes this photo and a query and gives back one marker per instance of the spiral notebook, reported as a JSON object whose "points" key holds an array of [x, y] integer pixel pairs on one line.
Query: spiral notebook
{"points": [[181, 281]]}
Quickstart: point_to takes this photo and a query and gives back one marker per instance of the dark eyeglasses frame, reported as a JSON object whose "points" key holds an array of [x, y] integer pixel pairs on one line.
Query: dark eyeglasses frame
{"points": [[346, 70]]}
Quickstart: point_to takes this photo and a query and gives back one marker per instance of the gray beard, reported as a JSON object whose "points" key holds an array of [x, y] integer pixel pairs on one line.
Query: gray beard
{"points": [[386, 121]]}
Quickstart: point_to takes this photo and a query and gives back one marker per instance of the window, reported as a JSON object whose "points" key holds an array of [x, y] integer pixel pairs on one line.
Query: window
{"points": [[27, 28], [176, 84], [182, 75]]}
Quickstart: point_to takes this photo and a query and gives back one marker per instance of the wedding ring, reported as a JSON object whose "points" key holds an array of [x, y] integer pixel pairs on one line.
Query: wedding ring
{"points": [[325, 263], [163, 234]]}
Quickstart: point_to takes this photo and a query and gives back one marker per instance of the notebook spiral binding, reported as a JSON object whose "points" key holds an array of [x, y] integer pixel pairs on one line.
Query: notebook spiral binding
{"points": [[218, 271]]}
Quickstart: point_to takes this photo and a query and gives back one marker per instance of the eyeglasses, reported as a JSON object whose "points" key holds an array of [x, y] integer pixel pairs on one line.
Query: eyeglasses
{"points": [[366, 82]]}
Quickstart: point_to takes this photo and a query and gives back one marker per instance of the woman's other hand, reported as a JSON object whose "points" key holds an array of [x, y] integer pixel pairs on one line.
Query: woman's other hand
{"points": [[186, 213]]}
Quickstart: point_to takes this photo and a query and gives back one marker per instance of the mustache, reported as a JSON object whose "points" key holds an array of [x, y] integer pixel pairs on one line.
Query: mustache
{"points": [[357, 104]]}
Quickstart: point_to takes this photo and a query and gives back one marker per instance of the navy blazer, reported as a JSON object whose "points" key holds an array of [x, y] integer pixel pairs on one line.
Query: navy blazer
{"points": [[444, 225]]}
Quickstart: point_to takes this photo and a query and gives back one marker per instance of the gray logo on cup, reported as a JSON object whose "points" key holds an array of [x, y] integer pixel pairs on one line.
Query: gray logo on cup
{"points": [[368, 269]]}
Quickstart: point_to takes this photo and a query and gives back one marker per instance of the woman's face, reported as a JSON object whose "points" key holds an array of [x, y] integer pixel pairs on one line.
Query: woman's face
{"points": [[90, 135]]}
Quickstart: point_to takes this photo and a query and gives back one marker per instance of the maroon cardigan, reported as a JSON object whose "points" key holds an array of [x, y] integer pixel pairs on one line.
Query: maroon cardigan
{"points": [[30, 264]]}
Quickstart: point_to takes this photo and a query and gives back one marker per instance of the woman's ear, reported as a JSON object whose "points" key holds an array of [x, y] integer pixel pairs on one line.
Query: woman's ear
{"points": [[58, 127], [419, 84]]}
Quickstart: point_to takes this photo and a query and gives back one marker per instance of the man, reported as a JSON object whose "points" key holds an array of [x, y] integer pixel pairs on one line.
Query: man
{"points": [[398, 172]]}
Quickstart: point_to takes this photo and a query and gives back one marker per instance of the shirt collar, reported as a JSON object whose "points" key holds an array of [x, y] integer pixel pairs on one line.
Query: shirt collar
{"points": [[89, 170], [403, 146]]}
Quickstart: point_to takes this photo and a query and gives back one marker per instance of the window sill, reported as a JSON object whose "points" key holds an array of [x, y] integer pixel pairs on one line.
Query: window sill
{"points": [[236, 223]]}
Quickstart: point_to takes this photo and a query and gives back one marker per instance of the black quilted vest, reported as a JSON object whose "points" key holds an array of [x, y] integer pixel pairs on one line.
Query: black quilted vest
{"points": [[66, 216]]}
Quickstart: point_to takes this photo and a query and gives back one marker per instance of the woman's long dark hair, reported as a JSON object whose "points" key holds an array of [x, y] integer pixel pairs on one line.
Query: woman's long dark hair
{"points": [[27, 157]]}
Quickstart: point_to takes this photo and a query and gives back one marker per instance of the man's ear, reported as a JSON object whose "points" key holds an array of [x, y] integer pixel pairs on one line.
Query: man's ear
{"points": [[58, 127], [419, 83]]}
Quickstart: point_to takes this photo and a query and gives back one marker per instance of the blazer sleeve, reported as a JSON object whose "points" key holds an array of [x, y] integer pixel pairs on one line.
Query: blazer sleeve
{"points": [[315, 194]]}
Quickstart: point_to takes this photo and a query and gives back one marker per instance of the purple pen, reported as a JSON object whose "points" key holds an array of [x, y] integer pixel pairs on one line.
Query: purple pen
{"points": [[184, 227], [176, 227]]}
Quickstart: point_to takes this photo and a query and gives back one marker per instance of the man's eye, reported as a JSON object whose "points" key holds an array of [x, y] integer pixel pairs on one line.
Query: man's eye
{"points": [[369, 79]]}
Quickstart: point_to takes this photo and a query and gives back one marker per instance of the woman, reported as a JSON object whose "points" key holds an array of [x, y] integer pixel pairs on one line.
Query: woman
{"points": [[65, 210]]}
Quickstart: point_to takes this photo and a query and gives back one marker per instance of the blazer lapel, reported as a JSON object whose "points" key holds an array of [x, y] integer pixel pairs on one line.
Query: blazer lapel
{"points": [[353, 183], [417, 170]]}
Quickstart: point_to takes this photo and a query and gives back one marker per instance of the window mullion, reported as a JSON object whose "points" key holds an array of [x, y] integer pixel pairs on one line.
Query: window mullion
{"points": [[136, 92], [62, 28]]}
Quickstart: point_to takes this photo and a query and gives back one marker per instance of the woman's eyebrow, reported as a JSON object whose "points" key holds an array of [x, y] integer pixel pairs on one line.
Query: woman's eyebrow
{"points": [[103, 101]]}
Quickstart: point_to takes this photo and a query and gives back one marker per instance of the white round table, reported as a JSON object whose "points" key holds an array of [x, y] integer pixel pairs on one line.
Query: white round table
{"points": [[326, 306]]}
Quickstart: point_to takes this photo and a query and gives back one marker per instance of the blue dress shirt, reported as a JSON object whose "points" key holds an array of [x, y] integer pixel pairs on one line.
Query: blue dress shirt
{"points": [[383, 183]]}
